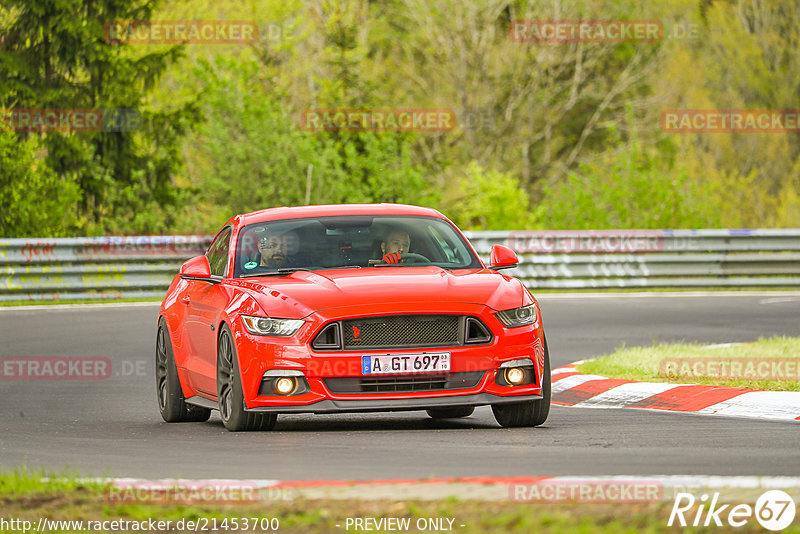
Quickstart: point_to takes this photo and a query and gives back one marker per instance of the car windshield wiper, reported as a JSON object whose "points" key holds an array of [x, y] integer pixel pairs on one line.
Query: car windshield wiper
{"points": [[341, 267], [277, 272], [418, 264], [396, 264]]}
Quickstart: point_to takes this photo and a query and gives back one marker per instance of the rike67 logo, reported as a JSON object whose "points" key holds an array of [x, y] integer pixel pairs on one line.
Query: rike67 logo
{"points": [[774, 510]]}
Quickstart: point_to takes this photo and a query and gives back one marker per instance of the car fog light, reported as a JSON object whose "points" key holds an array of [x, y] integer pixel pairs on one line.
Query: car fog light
{"points": [[284, 385], [514, 375]]}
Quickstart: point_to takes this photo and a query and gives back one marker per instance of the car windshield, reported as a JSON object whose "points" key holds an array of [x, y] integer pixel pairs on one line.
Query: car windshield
{"points": [[317, 243]]}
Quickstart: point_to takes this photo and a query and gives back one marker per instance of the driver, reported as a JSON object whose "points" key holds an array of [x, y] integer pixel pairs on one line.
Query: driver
{"points": [[394, 245]]}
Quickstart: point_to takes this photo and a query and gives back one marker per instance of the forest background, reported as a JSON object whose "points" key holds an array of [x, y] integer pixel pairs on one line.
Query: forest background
{"points": [[548, 135]]}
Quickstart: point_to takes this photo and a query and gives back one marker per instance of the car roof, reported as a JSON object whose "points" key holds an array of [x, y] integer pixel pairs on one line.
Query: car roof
{"points": [[329, 210]]}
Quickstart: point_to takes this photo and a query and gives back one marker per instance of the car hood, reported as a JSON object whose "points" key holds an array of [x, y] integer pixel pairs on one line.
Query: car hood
{"points": [[302, 293]]}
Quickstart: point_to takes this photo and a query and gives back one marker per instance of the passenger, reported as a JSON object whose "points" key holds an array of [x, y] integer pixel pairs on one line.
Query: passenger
{"points": [[273, 249]]}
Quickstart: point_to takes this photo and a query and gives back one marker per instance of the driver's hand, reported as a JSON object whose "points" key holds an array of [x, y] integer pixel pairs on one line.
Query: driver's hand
{"points": [[393, 257]]}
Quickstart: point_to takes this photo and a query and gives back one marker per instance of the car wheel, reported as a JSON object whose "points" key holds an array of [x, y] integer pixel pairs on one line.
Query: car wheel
{"points": [[229, 390], [529, 413], [451, 413], [171, 402]]}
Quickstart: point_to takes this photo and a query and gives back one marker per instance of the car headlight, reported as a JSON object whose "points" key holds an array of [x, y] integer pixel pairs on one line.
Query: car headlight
{"points": [[518, 316], [268, 326]]}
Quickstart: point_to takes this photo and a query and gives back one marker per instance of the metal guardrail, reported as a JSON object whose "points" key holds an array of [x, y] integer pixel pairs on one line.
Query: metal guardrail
{"points": [[93, 267], [651, 258], [143, 266]]}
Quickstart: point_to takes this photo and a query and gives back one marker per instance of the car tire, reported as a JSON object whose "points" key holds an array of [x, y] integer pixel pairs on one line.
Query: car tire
{"points": [[451, 413], [171, 402], [229, 390], [528, 413]]}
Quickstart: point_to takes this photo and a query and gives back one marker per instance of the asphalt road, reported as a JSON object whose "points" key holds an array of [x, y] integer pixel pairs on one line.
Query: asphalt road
{"points": [[112, 427]]}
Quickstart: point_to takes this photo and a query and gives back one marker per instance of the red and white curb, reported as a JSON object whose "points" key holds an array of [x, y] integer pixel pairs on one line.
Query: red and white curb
{"points": [[572, 388], [619, 488]]}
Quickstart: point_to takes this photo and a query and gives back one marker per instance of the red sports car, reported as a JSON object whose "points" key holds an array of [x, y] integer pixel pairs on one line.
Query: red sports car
{"points": [[348, 308]]}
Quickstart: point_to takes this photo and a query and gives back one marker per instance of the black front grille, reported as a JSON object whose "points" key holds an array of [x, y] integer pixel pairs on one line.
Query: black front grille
{"points": [[403, 383], [401, 331]]}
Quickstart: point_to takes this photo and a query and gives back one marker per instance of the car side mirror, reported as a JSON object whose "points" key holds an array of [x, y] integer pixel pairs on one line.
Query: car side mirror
{"points": [[197, 268], [502, 257]]}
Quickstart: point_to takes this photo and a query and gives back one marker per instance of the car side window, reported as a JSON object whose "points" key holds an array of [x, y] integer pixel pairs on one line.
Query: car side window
{"points": [[443, 245], [218, 253]]}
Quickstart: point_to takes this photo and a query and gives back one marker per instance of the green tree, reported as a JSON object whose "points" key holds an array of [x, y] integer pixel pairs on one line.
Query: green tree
{"points": [[35, 202], [744, 58], [483, 199], [251, 152], [54, 55], [630, 187]]}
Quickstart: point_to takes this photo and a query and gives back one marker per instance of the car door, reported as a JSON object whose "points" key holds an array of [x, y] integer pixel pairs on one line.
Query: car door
{"points": [[205, 301]]}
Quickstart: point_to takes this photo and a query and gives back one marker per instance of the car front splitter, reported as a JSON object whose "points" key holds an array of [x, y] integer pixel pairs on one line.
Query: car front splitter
{"points": [[395, 405]]}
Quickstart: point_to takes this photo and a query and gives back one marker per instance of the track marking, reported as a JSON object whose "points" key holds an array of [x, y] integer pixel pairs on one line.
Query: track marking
{"points": [[688, 398], [570, 388], [587, 390], [573, 380], [767, 404], [625, 394], [777, 300]]}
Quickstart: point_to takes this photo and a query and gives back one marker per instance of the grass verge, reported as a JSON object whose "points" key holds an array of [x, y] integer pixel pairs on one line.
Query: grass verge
{"points": [[27, 497], [767, 364]]}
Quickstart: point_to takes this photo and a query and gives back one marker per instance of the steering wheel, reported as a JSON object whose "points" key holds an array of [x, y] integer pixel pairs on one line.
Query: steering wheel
{"points": [[412, 257]]}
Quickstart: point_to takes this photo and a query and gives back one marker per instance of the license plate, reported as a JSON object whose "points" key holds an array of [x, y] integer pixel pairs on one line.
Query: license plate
{"points": [[386, 364]]}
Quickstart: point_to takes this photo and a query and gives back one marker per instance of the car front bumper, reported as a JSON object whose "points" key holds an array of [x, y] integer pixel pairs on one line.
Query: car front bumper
{"points": [[395, 405], [258, 354]]}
